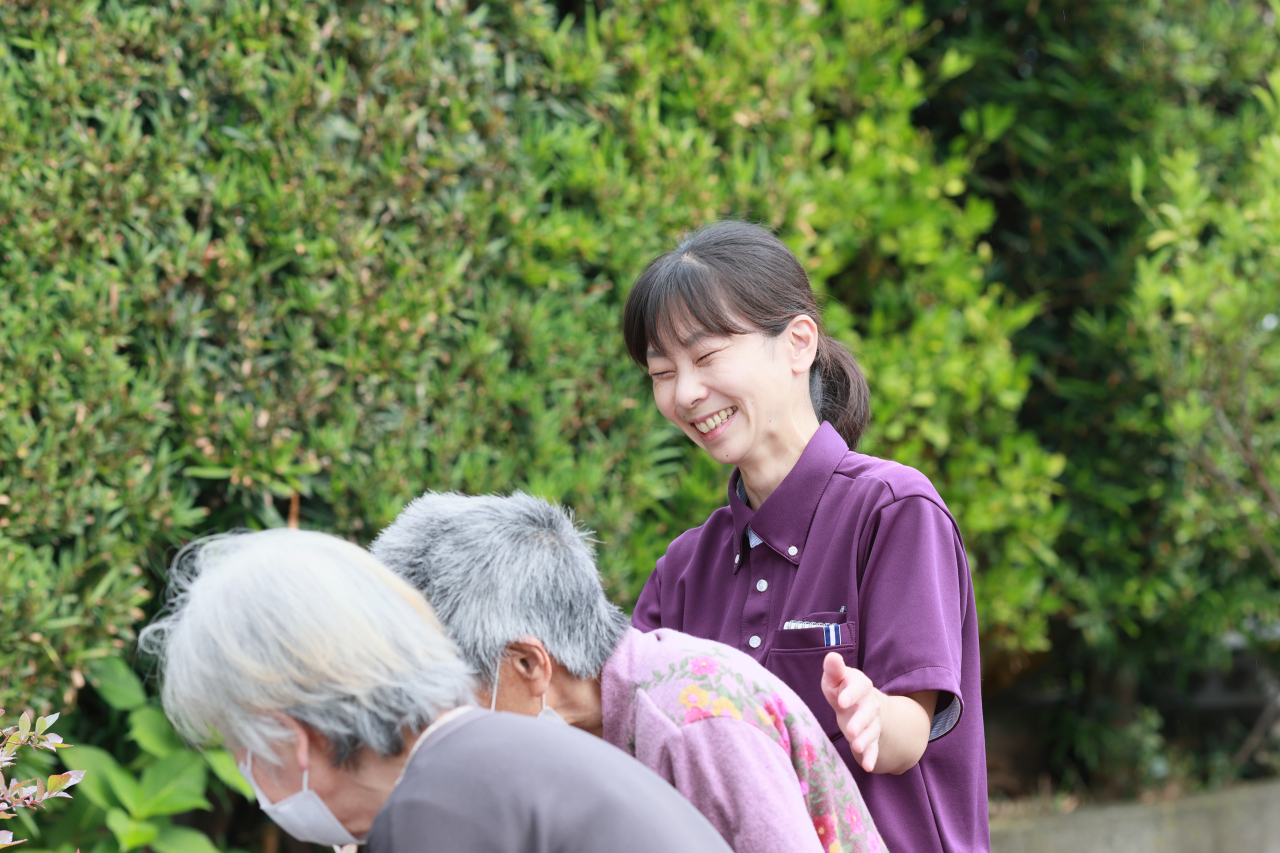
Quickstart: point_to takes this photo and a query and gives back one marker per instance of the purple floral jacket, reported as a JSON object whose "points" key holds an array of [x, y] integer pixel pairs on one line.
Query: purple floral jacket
{"points": [[736, 741]]}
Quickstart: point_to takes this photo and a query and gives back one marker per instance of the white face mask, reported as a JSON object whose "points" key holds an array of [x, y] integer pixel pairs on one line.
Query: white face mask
{"points": [[549, 713], [545, 714], [303, 815]]}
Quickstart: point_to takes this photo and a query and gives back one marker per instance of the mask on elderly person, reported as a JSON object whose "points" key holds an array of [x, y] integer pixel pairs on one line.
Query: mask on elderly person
{"points": [[303, 815], [549, 713]]}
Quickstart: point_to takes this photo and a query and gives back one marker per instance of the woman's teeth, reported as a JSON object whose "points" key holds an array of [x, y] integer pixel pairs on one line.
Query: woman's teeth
{"points": [[715, 420]]}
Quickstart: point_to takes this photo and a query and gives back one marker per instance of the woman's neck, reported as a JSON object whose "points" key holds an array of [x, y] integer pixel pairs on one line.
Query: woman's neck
{"points": [[577, 701], [770, 463], [368, 787]]}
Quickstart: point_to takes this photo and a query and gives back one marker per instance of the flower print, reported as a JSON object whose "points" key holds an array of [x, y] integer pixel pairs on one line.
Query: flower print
{"points": [[694, 696], [702, 666], [724, 708], [853, 817], [696, 713], [808, 753], [874, 843], [804, 787], [775, 714], [825, 826]]}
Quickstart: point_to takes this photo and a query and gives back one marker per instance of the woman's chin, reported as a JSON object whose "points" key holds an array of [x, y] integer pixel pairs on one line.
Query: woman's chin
{"points": [[726, 452]]}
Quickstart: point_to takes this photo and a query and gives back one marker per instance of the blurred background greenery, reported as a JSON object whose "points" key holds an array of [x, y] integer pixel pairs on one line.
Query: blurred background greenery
{"points": [[282, 260]]}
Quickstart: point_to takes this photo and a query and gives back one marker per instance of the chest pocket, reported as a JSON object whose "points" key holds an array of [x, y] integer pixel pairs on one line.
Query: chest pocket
{"points": [[797, 655]]}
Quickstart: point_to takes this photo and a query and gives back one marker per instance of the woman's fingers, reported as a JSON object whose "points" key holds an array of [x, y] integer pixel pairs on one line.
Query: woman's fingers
{"points": [[864, 726], [833, 672], [857, 705], [856, 687], [868, 762]]}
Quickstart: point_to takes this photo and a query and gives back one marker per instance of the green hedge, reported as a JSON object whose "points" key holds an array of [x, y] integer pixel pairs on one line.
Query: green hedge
{"points": [[1155, 574], [351, 252]]}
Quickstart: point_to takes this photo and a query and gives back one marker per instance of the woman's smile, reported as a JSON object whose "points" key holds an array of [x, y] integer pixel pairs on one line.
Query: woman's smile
{"points": [[713, 426]]}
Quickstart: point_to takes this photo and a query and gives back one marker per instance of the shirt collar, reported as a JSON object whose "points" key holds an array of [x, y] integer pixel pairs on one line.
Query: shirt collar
{"points": [[783, 520]]}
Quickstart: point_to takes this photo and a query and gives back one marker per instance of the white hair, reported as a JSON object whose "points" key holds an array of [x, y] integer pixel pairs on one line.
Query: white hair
{"points": [[302, 624], [499, 569]]}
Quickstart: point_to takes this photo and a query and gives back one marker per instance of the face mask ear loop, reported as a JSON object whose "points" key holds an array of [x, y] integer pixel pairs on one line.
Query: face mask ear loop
{"points": [[304, 779], [493, 701], [544, 701]]}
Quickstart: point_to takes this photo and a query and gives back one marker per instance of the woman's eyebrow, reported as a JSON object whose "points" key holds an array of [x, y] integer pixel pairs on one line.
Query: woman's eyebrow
{"points": [[695, 338]]}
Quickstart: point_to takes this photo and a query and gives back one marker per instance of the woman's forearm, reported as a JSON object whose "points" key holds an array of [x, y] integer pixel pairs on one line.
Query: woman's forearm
{"points": [[904, 730]]}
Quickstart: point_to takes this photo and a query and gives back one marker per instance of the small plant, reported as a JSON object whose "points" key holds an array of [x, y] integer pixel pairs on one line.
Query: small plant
{"points": [[30, 793]]}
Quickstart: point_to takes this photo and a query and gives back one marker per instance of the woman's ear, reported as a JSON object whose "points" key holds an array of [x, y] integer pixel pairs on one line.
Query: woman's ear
{"points": [[532, 664], [302, 737], [801, 341]]}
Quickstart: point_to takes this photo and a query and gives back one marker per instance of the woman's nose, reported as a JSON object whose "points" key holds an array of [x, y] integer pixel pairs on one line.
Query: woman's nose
{"points": [[689, 390]]}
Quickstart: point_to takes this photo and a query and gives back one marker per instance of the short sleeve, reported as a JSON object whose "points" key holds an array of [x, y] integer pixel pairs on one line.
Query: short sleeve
{"points": [[648, 613], [913, 598]]}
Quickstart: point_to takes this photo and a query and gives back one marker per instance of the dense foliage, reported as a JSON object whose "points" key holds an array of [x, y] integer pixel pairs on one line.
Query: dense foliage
{"points": [[299, 261], [1151, 600]]}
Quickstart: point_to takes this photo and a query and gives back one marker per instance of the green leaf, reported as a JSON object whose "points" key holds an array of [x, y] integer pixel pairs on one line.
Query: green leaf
{"points": [[954, 64], [208, 472], [173, 785], [150, 729], [224, 767], [106, 784], [179, 839], [130, 833], [1137, 177], [117, 684]]}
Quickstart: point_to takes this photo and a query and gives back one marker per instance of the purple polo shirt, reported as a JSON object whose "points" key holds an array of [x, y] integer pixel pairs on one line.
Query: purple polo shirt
{"points": [[868, 545]]}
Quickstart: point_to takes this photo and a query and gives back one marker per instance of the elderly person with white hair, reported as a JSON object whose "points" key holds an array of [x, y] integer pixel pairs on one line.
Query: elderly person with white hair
{"points": [[515, 582], [353, 718]]}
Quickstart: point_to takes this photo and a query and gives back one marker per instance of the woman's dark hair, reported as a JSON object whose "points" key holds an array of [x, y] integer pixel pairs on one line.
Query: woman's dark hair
{"points": [[734, 278]]}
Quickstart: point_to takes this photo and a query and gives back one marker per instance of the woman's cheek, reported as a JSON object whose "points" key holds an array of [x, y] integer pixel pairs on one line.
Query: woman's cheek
{"points": [[662, 399]]}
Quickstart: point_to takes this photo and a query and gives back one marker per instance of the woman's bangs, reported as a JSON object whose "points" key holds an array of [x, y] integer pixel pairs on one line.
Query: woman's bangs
{"points": [[685, 304]]}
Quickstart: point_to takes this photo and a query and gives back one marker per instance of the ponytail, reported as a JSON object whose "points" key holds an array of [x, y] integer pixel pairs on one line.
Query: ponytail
{"points": [[839, 390]]}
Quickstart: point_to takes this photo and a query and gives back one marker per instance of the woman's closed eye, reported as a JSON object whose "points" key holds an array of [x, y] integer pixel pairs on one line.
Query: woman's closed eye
{"points": [[661, 370]]}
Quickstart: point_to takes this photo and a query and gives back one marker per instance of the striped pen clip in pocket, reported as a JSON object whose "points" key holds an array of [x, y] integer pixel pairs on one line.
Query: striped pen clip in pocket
{"points": [[830, 630]]}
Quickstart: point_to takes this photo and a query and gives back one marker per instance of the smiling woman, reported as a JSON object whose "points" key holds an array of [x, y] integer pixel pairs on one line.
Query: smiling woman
{"points": [[860, 598], [700, 304]]}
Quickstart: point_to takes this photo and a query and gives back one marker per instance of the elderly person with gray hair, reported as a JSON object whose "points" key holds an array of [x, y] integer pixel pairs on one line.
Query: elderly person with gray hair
{"points": [[352, 715], [514, 581]]}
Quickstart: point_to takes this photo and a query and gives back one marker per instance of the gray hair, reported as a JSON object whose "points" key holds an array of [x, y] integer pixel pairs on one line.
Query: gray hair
{"points": [[498, 569], [302, 624]]}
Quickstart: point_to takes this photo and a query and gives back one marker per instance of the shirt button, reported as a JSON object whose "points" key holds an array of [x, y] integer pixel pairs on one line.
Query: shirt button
{"points": [[754, 642], [735, 559], [793, 550], [762, 585]]}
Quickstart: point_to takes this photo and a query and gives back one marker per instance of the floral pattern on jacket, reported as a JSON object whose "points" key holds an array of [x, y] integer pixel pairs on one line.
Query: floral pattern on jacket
{"points": [[690, 680]]}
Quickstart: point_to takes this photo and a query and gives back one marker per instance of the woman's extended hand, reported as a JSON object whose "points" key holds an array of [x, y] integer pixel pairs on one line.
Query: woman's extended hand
{"points": [[887, 734]]}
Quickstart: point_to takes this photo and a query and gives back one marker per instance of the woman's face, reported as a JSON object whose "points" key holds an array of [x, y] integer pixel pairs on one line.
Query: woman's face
{"points": [[728, 394]]}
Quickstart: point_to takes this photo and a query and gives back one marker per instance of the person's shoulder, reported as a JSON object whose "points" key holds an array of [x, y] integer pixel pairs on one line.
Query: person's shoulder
{"points": [[714, 531], [893, 481], [680, 660]]}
